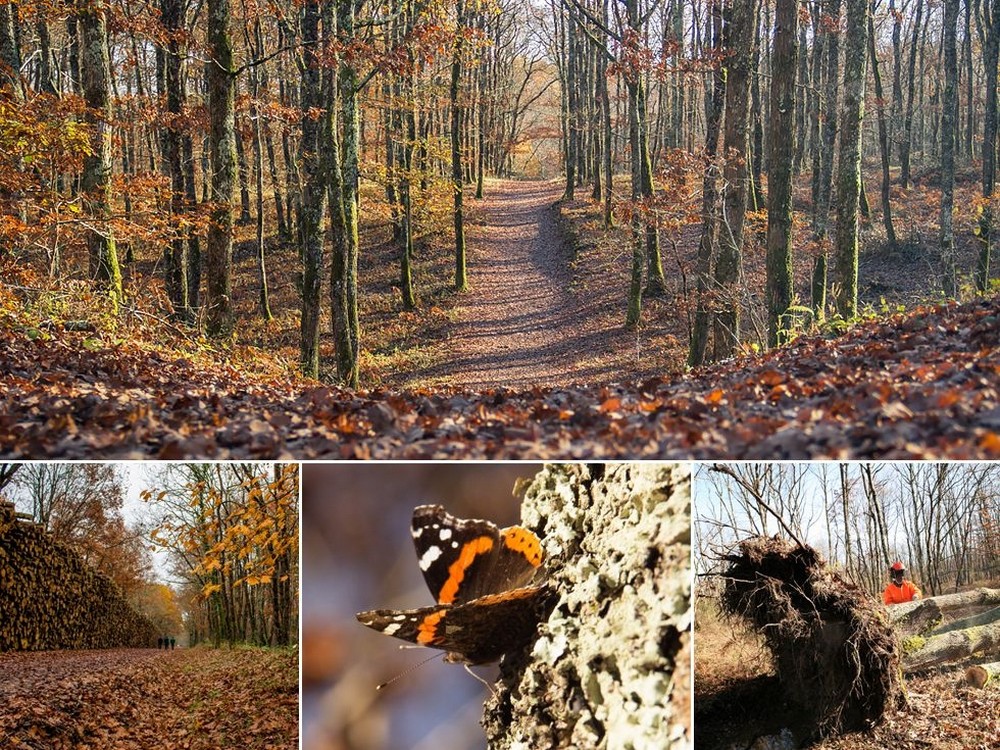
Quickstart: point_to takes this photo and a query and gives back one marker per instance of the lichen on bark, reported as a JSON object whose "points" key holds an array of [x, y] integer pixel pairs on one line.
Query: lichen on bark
{"points": [[611, 665]]}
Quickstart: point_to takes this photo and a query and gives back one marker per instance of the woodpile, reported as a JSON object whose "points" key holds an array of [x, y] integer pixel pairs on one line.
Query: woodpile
{"points": [[51, 599]]}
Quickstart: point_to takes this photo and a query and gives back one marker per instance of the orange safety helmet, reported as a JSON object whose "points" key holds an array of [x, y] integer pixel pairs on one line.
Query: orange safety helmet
{"points": [[897, 566]]}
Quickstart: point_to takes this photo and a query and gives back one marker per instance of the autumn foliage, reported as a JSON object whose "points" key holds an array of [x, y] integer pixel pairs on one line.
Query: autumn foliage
{"points": [[234, 531]]}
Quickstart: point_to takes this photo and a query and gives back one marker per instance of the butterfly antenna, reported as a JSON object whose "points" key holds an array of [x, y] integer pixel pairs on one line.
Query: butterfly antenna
{"points": [[407, 670], [488, 685]]}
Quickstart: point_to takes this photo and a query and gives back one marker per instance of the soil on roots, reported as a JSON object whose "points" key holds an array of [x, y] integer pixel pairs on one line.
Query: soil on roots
{"points": [[834, 651]]}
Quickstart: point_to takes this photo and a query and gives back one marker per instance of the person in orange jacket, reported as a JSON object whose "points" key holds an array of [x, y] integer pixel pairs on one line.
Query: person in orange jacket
{"points": [[899, 590]]}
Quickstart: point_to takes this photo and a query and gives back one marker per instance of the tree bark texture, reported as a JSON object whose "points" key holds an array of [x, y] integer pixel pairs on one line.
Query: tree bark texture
{"points": [[849, 163], [461, 277], [738, 41], [991, 53], [175, 253], [956, 645], [314, 192], [715, 98], [609, 668], [222, 146], [95, 182], [345, 284], [779, 192], [925, 615], [949, 101], [883, 137]]}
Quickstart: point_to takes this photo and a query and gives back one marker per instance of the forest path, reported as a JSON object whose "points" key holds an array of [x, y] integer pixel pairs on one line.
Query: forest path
{"points": [[134, 699], [520, 324]]}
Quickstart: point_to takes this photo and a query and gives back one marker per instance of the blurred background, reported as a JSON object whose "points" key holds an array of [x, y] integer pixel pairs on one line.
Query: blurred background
{"points": [[357, 554]]}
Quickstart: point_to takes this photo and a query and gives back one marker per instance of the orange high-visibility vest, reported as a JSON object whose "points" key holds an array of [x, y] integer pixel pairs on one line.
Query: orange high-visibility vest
{"points": [[894, 594]]}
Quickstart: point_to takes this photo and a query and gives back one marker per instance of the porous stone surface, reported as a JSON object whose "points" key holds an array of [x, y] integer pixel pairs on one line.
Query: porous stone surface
{"points": [[610, 668]]}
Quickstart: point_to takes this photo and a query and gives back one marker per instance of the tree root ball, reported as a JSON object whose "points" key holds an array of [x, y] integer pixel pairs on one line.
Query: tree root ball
{"points": [[833, 646]]}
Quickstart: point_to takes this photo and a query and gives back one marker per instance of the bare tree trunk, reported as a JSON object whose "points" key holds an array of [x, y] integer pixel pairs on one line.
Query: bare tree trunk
{"points": [[883, 137], [953, 646], [779, 192], [715, 98], [738, 39], [991, 53], [948, 105], [344, 215], [906, 142], [461, 277], [849, 164], [314, 192], [95, 184], [222, 145]]}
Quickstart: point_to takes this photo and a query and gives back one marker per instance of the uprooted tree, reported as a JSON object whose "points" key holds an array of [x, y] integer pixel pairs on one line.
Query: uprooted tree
{"points": [[834, 650], [839, 654]]}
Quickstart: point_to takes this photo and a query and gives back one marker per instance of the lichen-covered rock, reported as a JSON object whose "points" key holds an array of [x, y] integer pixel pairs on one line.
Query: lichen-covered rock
{"points": [[611, 665]]}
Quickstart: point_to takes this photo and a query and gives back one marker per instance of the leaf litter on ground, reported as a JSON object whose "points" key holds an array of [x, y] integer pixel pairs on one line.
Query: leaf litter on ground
{"points": [[924, 384], [135, 699]]}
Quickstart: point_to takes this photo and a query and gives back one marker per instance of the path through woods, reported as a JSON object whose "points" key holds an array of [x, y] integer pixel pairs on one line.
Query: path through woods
{"points": [[135, 699], [520, 325]]}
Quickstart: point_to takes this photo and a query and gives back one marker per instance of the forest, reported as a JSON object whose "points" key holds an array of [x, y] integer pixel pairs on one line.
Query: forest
{"points": [[792, 638], [118, 584], [335, 191]]}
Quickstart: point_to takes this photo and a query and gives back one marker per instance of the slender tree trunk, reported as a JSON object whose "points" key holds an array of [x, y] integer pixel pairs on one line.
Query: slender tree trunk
{"points": [[883, 137], [608, 144], [410, 117], [175, 253], [991, 53], [461, 277], [830, 114], [345, 285], [779, 191], [738, 40], [222, 145], [949, 100], [194, 243], [10, 51], [314, 191], [906, 141], [95, 184], [715, 97], [849, 164]]}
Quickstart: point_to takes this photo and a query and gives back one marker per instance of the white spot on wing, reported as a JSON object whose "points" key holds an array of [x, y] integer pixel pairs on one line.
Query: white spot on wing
{"points": [[445, 534], [427, 559], [391, 630]]}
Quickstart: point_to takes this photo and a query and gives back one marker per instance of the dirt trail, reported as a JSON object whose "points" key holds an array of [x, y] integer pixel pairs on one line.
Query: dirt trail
{"points": [[519, 325]]}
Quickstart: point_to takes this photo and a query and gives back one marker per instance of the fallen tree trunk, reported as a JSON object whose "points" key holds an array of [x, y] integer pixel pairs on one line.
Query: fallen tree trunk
{"points": [[925, 615], [988, 617], [922, 653], [980, 675]]}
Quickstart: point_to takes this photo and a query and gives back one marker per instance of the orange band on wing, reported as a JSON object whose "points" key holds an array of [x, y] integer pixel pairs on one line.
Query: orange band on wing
{"points": [[428, 628], [456, 571], [523, 541]]}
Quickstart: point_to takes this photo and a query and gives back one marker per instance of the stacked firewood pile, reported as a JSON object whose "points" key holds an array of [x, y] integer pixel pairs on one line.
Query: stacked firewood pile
{"points": [[51, 599]]}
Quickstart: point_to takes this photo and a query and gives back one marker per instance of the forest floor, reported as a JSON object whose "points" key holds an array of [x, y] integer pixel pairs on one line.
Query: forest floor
{"points": [[136, 699], [480, 375], [739, 703]]}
